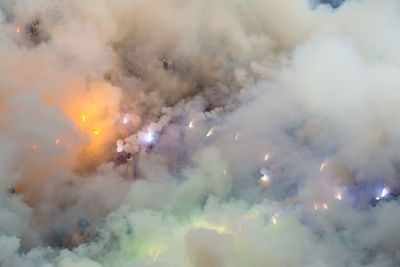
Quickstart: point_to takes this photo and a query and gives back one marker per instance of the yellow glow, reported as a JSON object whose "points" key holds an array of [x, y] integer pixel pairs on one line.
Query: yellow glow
{"points": [[322, 167], [266, 157], [95, 132]]}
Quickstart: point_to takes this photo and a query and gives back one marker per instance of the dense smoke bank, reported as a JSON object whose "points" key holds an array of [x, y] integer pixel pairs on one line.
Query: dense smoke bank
{"points": [[199, 133]]}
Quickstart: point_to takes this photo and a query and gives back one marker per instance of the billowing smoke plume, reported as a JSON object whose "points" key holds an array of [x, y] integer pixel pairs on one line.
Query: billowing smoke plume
{"points": [[199, 133]]}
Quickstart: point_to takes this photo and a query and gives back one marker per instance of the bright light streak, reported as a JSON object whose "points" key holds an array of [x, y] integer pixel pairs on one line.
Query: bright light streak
{"points": [[266, 157], [237, 137], [149, 138], [338, 196], [273, 220], [191, 124], [57, 140], [385, 191], [18, 29], [210, 132], [156, 256], [322, 167]]}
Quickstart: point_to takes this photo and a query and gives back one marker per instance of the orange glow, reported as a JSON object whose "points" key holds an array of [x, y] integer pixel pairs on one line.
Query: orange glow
{"points": [[34, 146], [95, 132], [322, 167], [83, 117], [57, 140], [18, 29]]}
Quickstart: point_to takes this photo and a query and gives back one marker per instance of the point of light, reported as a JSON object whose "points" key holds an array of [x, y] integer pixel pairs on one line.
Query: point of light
{"points": [[83, 117], [325, 206], [125, 120], [210, 132], [149, 138], [18, 29], [191, 125], [120, 148], [384, 193], [57, 140], [237, 137], [315, 206], [322, 167], [95, 132], [34, 146], [224, 171], [264, 179], [273, 220], [266, 158], [338, 196]]}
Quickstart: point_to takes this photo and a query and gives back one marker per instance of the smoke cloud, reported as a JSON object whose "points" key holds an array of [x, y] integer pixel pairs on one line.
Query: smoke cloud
{"points": [[199, 133]]}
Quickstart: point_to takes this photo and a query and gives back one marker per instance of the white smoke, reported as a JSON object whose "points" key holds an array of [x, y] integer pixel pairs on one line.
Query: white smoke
{"points": [[199, 133]]}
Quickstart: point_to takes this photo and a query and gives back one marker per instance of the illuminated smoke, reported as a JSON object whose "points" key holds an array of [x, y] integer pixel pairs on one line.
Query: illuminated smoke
{"points": [[170, 133]]}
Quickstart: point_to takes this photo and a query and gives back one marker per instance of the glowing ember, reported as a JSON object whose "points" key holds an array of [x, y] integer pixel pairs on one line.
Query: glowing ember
{"points": [[156, 256], [264, 179], [57, 140], [95, 132], [273, 219], [224, 171], [34, 146], [237, 137], [120, 148], [210, 132], [18, 29], [266, 157], [83, 117], [322, 167], [315, 206], [191, 124]]}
